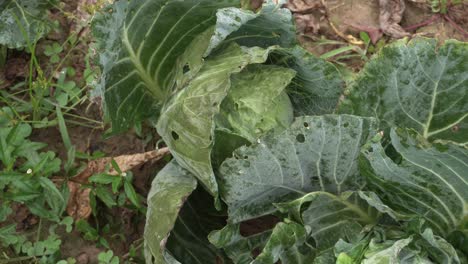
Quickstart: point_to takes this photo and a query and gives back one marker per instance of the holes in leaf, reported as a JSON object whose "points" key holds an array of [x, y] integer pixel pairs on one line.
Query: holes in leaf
{"points": [[175, 136], [236, 106], [186, 68], [300, 138], [346, 124], [455, 128], [306, 124]]}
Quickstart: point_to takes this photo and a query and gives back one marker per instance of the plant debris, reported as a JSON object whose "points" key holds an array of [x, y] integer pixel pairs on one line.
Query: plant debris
{"points": [[391, 13], [78, 205]]}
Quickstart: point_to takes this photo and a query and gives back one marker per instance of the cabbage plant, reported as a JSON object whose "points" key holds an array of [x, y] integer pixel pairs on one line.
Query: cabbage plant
{"points": [[275, 158], [23, 22]]}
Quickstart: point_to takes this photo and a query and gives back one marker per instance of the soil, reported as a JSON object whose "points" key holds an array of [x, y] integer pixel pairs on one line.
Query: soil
{"points": [[313, 22], [128, 223], [350, 17]]}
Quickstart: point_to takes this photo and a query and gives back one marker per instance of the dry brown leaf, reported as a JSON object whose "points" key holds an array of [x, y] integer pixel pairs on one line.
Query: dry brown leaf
{"points": [[391, 13], [125, 163], [78, 205], [302, 6], [307, 23]]}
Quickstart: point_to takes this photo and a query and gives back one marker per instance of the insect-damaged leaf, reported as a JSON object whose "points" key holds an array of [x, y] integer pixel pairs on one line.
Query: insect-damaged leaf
{"points": [[187, 125], [318, 153]]}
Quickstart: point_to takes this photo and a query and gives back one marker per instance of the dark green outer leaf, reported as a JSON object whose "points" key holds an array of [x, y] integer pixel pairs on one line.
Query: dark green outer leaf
{"points": [[169, 190], [188, 242], [438, 249], [236, 246], [157, 39], [272, 25], [225, 143], [430, 181], [108, 38], [414, 84], [377, 254], [317, 153], [187, 125], [228, 20], [332, 217], [23, 22], [322, 219], [285, 238], [318, 84]]}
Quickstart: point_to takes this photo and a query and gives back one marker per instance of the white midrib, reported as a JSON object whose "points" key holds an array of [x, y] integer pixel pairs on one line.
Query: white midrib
{"points": [[426, 133], [152, 85], [431, 110]]}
